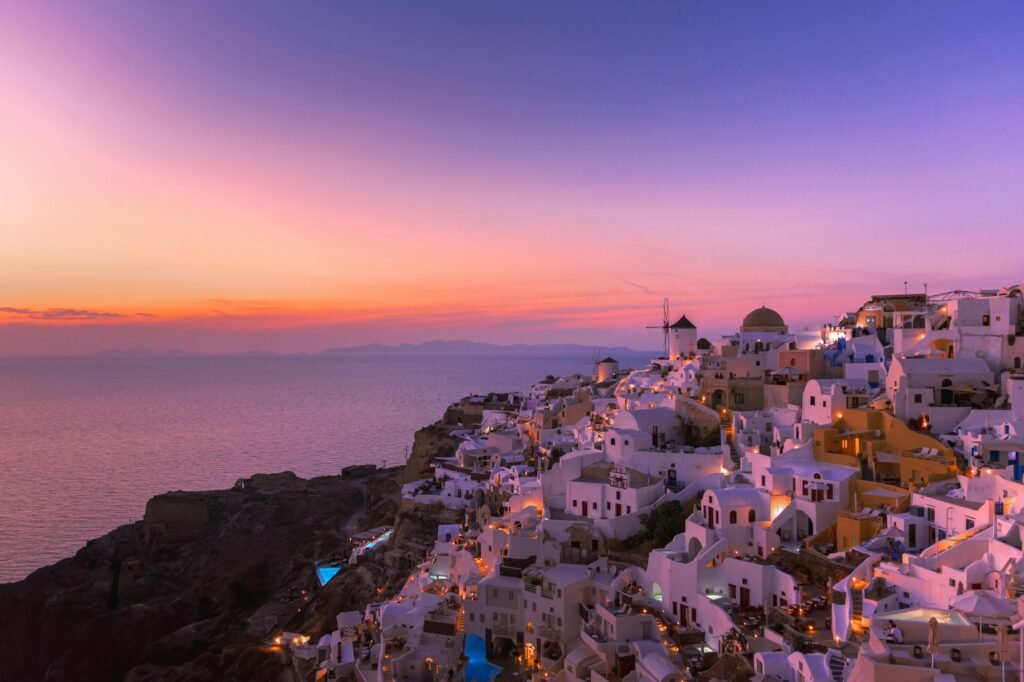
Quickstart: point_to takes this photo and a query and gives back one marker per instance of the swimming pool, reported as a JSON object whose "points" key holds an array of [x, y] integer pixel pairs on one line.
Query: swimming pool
{"points": [[478, 669], [924, 614], [324, 574], [366, 547]]}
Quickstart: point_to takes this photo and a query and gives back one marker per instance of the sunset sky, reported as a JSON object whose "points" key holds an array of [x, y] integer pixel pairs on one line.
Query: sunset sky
{"points": [[295, 176]]}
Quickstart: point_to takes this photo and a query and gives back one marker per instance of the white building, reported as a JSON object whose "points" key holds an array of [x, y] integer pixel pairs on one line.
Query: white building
{"points": [[916, 384]]}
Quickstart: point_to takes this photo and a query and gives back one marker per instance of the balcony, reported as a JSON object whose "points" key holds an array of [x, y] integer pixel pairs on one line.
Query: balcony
{"points": [[503, 629], [550, 633], [879, 592], [594, 635]]}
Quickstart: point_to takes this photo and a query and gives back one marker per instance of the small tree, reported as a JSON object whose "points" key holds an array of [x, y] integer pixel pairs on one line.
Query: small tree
{"points": [[664, 522]]}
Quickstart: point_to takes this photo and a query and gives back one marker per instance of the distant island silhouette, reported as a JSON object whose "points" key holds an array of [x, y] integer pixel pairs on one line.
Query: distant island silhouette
{"points": [[491, 348]]}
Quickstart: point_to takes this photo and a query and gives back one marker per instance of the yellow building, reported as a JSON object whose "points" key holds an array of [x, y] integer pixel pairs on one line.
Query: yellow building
{"points": [[884, 449], [864, 519]]}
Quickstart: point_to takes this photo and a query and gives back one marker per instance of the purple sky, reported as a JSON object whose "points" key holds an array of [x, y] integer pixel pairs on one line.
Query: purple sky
{"points": [[276, 176]]}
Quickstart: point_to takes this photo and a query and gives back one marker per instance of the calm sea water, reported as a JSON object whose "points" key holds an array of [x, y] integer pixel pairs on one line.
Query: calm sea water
{"points": [[84, 442]]}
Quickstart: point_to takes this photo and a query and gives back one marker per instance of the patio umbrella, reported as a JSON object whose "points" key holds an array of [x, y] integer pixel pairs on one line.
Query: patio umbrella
{"points": [[933, 638], [983, 605], [1003, 646]]}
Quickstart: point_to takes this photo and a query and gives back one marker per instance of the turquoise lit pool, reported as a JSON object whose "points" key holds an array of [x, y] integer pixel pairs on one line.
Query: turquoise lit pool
{"points": [[478, 669], [324, 574], [362, 549], [373, 543], [923, 615]]}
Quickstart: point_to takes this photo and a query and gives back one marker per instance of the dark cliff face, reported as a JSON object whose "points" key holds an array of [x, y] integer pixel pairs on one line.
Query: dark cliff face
{"points": [[170, 597], [429, 443]]}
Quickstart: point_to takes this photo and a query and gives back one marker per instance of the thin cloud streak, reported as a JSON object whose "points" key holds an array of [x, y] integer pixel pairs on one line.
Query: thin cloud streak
{"points": [[639, 287], [68, 314]]}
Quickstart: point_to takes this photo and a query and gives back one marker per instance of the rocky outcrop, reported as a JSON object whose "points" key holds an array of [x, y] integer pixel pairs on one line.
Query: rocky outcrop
{"points": [[699, 425], [189, 592], [171, 597], [429, 443], [176, 516]]}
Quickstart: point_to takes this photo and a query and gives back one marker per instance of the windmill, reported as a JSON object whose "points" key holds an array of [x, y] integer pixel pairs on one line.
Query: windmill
{"points": [[664, 326], [595, 359]]}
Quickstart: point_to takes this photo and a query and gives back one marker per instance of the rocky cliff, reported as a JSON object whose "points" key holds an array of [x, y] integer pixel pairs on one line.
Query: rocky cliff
{"points": [[430, 442], [189, 592]]}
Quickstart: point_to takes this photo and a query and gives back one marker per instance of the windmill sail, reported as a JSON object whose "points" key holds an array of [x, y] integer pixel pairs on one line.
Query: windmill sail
{"points": [[664, 326]]}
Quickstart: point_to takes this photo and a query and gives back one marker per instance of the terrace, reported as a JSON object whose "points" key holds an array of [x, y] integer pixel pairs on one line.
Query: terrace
{"points": [[806, 624], [961, 652]]}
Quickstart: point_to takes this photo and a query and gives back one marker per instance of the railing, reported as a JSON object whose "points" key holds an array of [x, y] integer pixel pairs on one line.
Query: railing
{"points": [[628, 559], [877, 593]]}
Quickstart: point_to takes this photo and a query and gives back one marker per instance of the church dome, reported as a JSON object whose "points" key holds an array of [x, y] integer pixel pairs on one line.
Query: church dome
{"points": [[763, 320]]}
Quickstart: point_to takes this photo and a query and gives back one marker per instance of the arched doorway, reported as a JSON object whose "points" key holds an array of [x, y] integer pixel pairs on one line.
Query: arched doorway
{"points": [[693, 549], [804, 525], [718, 399], [946, 394]]}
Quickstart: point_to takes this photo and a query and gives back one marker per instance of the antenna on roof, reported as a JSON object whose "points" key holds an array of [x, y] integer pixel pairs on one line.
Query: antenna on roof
{"points": [[665, 322]]}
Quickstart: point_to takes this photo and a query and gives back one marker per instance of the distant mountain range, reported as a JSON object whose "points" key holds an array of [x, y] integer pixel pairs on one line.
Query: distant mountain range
{"points": [[140, 352], [490, 348], [450, 347], [176, 353]]}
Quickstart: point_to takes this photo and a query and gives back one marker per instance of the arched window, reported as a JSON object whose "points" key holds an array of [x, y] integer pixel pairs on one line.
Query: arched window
{"points": [[732, 517], [1016, 363], [751, 516]]}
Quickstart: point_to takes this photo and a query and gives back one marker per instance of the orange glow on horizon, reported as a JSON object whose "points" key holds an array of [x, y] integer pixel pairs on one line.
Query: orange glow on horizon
{"points": [[148, 187]]}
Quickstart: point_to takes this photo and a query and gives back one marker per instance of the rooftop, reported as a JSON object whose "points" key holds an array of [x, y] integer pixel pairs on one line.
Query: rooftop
{"points": [[762, 318], [601, 473], [958, 501], [683, 323]]}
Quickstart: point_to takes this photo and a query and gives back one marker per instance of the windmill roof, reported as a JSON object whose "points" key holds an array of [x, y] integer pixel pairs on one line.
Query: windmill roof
{"points": [[607, 359], [683, 323]]}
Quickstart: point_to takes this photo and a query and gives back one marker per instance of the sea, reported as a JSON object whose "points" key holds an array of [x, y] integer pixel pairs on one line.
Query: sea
{"points": [[84, 442]]}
